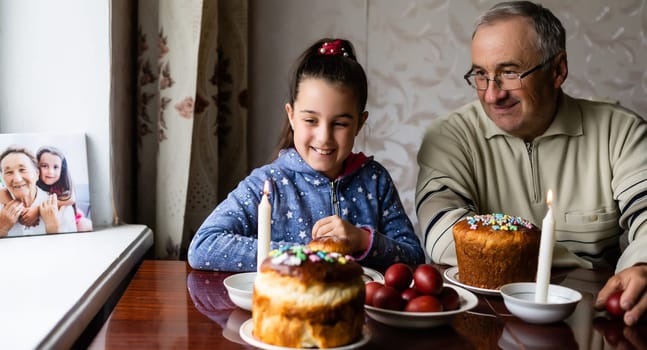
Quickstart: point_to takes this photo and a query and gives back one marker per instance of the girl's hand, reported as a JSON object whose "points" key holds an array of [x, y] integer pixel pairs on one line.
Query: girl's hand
{"points": [[337, 227], [49, 213], [9, 215], [30, 216]]}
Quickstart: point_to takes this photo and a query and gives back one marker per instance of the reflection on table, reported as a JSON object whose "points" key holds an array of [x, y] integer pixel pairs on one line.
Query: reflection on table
{"points": [[168, 305]]}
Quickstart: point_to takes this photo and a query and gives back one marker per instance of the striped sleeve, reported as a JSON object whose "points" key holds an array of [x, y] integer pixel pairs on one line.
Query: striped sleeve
{"points": [[438, 208], [630, 186], [441, 198]]}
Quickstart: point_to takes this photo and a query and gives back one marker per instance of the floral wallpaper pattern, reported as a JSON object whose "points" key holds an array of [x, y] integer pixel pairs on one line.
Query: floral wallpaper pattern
{"points": [[416, 52]]}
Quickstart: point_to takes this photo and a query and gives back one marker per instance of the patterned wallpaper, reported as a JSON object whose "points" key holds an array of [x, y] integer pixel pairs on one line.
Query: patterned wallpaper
{"points": [[415, 53]]}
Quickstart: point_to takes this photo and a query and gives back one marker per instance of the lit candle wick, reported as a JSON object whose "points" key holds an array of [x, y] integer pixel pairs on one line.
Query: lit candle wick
{"points": [[549, 198]]}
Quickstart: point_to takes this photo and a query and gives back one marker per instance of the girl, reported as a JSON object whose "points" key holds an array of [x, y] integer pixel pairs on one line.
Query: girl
{"points": [[319, 187], [55, 178]]}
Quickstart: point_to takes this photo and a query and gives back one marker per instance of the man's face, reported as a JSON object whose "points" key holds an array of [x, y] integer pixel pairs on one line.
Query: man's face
{"points": [[509, 46], [19, 175]]}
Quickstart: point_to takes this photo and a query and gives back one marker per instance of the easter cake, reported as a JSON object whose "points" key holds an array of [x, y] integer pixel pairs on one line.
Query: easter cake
{"points": [[495, 249], [306, 297]]}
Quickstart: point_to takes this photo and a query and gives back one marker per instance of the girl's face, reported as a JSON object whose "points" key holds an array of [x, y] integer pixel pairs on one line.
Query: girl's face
{"points": [[50, 168], [325, 121]]}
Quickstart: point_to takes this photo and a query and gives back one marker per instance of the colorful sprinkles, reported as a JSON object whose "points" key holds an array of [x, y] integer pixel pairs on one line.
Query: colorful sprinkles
{"points": [[498, 222], [295, 255]]}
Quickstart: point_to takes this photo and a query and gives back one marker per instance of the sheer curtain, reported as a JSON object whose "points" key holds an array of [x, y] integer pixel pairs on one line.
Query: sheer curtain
{"points": [[189, 118]]}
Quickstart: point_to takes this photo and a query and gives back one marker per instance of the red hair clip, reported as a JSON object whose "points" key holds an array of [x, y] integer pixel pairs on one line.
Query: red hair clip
{"points": [[335, 47]]}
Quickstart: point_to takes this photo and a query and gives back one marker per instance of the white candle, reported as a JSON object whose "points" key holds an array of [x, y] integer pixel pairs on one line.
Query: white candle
{"points": [[545, 252], [264, 226]]}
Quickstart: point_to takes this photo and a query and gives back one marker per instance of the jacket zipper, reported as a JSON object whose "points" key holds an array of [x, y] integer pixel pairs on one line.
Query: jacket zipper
{"points": [[335, 204], [533, 171]]}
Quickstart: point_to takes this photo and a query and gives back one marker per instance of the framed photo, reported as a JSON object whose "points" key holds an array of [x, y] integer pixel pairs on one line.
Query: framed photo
{"points": [[44, 186]]}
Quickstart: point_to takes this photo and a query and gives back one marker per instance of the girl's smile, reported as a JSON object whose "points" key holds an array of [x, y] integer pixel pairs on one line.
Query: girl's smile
{"points": [[325, 121]]}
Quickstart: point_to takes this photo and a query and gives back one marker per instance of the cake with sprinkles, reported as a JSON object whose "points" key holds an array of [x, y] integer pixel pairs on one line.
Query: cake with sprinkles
{"points": [[495, 249], [308, 298]]}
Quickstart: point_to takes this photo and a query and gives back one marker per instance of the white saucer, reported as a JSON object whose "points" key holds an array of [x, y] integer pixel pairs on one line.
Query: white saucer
{"points": [[246, 334], [451, 274], [372, 275]]}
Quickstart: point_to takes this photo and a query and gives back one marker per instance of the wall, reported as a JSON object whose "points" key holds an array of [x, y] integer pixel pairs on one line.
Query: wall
{"points": [[415, 54], [55, 68], [55, 76]]}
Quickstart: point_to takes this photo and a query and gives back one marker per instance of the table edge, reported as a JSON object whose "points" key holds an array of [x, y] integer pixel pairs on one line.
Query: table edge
{"points": [[70, 327]]}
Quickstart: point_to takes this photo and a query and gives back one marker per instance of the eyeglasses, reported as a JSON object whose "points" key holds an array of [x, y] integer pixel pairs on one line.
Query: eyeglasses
{"points": [[505, 80]]}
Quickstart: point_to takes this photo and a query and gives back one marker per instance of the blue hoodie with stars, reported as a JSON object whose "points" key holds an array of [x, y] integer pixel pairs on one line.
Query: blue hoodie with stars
{"points": [[364, 196]]}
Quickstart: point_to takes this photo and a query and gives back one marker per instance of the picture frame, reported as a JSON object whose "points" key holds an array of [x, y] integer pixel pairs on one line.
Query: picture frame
{"points": [[61, 172]]}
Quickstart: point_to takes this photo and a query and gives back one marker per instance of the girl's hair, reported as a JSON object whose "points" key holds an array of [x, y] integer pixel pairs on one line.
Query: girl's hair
{"points": [[334, 61], [551, 35], [62, 187]]}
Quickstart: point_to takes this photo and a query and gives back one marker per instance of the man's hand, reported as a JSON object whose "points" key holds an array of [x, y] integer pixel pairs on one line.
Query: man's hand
{"points": [[632, 282]]}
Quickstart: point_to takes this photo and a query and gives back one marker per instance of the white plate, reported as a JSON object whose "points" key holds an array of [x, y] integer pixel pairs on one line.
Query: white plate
{"points": [[423, 319], [372, 275], [451, 274], [246, 334]]}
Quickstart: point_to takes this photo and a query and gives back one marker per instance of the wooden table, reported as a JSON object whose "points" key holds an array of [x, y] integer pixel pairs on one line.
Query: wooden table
{"points": [[169, 305]]}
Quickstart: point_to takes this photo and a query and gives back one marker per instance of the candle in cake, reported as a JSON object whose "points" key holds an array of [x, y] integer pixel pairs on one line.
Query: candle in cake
{"points": [[264, 226], [545, 252]]}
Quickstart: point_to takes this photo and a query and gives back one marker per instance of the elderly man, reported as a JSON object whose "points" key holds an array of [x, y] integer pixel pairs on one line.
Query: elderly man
{"points": [[524, 136], [20, 174]]}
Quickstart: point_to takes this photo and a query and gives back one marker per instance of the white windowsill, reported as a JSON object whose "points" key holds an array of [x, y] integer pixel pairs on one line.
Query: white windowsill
{"points": [[51, 286]]}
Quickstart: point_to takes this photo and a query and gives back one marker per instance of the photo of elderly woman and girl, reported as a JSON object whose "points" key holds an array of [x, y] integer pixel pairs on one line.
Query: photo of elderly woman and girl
{"points": [[37, 194]]}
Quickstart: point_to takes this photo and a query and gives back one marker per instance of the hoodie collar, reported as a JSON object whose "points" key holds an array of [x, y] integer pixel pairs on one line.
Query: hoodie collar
{"points": [[291, 159]]}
